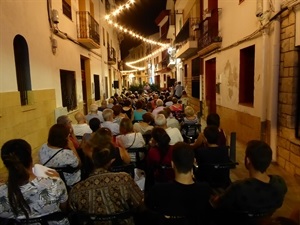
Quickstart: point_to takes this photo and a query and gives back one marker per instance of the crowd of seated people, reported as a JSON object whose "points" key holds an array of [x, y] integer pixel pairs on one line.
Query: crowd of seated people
{"points": [[174, 188]]}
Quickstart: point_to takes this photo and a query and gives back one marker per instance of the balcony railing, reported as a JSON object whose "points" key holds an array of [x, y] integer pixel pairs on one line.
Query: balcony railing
{"points": [[111, 55], [207, 39], [189, 31], [87, 30]]}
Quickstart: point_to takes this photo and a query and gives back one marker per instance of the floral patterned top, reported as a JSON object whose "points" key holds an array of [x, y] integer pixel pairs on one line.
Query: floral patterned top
{"points": [[64, 158], [43, 196]]}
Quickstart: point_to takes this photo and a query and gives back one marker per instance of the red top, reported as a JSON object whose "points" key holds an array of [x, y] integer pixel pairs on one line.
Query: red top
{"points": [[161, 167]]}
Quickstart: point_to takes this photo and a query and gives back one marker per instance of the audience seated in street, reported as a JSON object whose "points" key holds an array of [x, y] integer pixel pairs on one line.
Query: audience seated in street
{"points": [[258, 193], [182, 198], [81, 127], [59, 151], [169, 101], [108, 116], [158, 160], [210, 155], [25, 194], [213, 119], [94, 113], [171, 121], [94, 125], [105, 192], [110, 103], [118, 115], [130, 138], [174, 133], [139, 111], [159, 107], [103, 105], [67, 122], [146, 125], [127, 109], [99, 138], [176, 106]]}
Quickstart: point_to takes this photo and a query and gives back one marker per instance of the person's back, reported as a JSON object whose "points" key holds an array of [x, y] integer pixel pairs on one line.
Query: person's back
{"points": [[183, 197], [209, 156], [260, 193], [103, 188]]}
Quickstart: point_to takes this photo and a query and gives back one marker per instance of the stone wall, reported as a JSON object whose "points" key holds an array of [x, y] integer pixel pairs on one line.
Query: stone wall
{"points": [[288, 147]]}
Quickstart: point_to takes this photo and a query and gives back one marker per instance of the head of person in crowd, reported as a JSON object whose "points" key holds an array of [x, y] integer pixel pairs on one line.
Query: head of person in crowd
{"points": [[149, 107], [108, 114], [100, 137], [159, 102], [139, 104], [64, 120], [16, 157], [161, 121], [211, 133], [174, 100], [103, 104], [58, 136], [189, 111], [126, 126], [163, 112], [160, 138], [94, 108], [127, 102], [183, 158], [258, 156], [168, 112], [213, 119], [148, 118], [104, 155], [94, 124], [117, 110], [80, 118]]}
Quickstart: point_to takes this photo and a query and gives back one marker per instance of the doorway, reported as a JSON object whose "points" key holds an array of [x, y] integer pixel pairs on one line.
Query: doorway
{"points": [[210, 85]]}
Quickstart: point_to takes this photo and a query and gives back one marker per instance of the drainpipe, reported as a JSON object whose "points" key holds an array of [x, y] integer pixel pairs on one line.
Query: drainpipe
{"points": [[262, 7], [273, 106]]}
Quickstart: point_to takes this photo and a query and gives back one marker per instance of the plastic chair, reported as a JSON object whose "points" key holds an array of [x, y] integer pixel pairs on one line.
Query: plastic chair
{"points": [[43, 220]]}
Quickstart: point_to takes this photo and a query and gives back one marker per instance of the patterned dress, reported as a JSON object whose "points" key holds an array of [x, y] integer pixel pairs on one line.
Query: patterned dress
{"points": [[105, 192], [64, 158], [43, 196]]}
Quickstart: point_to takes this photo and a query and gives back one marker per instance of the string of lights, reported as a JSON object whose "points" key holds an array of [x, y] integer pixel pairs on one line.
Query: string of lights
{"points": [[120, 9], [125, 30]]}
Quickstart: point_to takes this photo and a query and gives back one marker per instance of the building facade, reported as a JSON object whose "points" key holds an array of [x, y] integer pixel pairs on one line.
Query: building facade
{"points": [[57, 57], [289, 89]]}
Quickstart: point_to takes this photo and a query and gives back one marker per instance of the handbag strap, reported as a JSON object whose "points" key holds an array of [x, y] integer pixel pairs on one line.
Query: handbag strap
{"points": [[52, 156], [133, 140]]}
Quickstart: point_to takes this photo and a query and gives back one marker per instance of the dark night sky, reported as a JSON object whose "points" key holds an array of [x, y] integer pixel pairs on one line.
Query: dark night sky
{"points": [[141, 19]]}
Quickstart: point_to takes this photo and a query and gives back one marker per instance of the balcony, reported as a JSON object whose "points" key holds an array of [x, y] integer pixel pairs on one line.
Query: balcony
{"points": [[209, 39], [187, 38], [87, 30], [111, 56], [209, 42]]}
